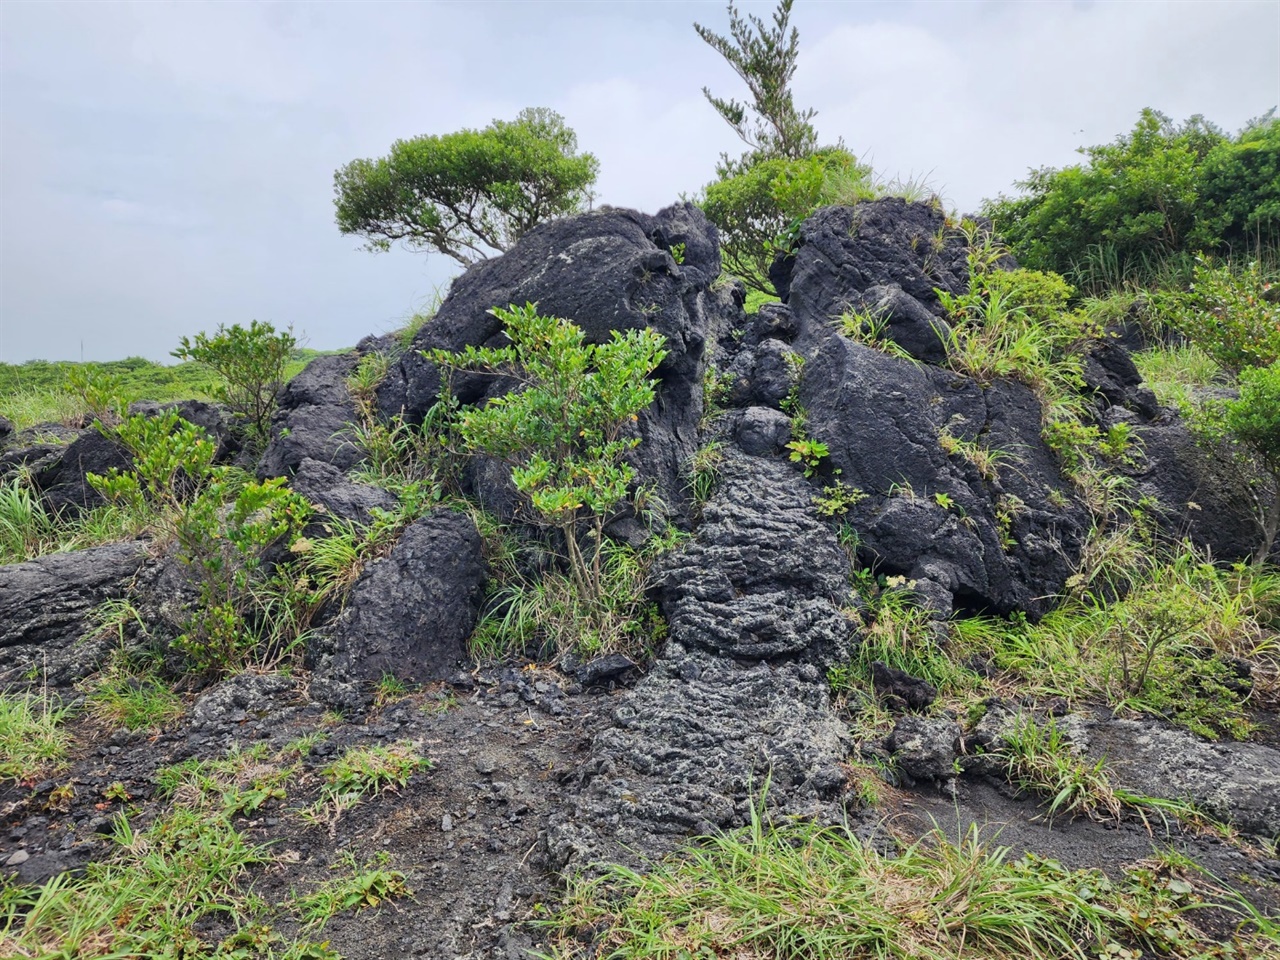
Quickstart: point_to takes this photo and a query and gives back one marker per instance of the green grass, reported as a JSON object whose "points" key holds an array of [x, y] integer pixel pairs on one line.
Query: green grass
{"points": [[145, 899], [29, 530], [544, 616], [364, 772], [152, 897], [1159, 650], [804, 892], [240, 783], [900, 634], [39, 392], [135, 699], [32, 740], [1041, 759], [1177, 374], [757, 299], [362, 888]]}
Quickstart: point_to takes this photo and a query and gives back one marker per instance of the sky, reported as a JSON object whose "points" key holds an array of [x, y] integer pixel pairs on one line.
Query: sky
{"points": [[168, 167]]}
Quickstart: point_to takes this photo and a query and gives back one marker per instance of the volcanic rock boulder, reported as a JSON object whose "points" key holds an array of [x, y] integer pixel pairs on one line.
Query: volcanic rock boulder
{"points": [[611, 270], [63, 483], [884, 258], [763, 577], [329, 489], [1235, 782], [36, 449], [313, 419], [410, 614], [6, 430], [1002, 533], [739, 694], [46, 603], [1195, 492]]}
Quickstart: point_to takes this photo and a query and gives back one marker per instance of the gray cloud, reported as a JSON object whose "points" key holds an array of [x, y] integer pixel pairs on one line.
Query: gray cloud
{"points": [[168, 167]]}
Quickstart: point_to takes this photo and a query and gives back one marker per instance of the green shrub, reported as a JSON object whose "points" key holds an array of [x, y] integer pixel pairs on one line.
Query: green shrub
{"points": [[101, 394], [1226, 314], [223, 523], [567, 433], [1162, 190], [250, 364], [755, 206], [1254, 420], [223, 537], [171, 457]]}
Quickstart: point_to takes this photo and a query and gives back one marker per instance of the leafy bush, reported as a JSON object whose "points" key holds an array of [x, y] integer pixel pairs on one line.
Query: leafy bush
{"points": [[1227, 315], [223, 523], [756, 205], [568, 431], [223, 537], [469, 193], [171, 459], [1254, 420], [1158, 190], [250, 364]]}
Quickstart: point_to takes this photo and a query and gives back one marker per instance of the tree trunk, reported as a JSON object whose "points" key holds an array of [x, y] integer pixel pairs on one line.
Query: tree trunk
{"points": [[1270, 526]]}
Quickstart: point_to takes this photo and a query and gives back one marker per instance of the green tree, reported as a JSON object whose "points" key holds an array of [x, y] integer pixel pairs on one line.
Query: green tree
{"points": [[467, 194], [567, 431], [758, 199], [765, 59], [1254, 420], [250, 365], [1137, 196]]}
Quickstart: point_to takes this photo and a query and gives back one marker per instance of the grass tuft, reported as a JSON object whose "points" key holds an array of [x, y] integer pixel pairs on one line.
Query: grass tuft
{"points": [[805, 892], [32, 741]]}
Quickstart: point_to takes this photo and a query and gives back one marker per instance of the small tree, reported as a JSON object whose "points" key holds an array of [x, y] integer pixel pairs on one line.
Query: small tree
{"points": [[467, 194], [765, 59], [759, 198], [1254, 420], [567, 431], [250, 363]]}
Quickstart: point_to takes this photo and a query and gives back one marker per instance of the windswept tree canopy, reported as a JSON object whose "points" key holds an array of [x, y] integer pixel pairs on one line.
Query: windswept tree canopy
{"points": [[469, 194]]}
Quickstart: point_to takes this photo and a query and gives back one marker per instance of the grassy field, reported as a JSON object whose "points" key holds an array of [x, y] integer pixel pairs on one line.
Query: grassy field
{"points": [[41, 391]]}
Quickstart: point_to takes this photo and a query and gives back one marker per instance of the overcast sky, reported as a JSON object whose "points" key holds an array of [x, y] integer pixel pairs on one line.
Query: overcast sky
{"points": [[165, 168]]}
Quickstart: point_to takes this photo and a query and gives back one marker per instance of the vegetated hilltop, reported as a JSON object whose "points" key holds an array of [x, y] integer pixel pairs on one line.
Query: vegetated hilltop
{"points": [[923, 608], [536, 594]]}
